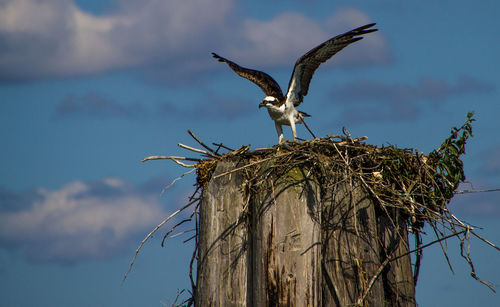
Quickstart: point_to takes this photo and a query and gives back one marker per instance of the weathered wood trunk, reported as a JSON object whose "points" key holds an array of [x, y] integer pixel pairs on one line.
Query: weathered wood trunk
{"points": [[223, 263], [356, 239], [298, 244]]}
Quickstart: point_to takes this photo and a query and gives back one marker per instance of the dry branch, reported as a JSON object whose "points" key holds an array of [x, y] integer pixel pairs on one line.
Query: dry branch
{"points": [[153, 232], [170, 158], [197, 150], [214, 153], [476, 191]]}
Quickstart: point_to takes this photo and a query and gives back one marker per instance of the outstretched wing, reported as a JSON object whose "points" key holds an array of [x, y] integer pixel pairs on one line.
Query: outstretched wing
{"points": [[309, 62], [263, 80]]}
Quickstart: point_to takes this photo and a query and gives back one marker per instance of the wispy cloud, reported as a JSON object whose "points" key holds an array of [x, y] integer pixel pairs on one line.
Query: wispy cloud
{"points": [[98, 106], [168, 40], [400, 100], [79, 221]]}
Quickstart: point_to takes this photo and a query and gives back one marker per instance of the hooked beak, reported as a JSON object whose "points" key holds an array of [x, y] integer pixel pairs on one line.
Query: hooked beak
{"points": [[262, 104]]}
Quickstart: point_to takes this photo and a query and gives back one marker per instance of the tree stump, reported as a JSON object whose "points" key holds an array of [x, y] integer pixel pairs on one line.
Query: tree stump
{"points": [[298, 242]]}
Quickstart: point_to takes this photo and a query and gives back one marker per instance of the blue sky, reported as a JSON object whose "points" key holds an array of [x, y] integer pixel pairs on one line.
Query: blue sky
{"points": [[89, 88]]}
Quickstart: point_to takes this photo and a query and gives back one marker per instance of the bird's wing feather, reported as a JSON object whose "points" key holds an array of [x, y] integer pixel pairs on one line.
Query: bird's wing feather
{"points": [[263, 80], [309, 62]]}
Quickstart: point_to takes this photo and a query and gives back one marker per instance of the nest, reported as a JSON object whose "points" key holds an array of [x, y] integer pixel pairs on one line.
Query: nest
{"points": [[400, 178], [419, 186]]}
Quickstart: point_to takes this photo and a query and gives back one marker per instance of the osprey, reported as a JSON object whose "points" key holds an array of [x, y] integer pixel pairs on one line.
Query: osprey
{"points": [[282, 108]]}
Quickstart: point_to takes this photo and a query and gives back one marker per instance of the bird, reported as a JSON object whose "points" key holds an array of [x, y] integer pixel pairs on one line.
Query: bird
{"points": [[281, 108]]}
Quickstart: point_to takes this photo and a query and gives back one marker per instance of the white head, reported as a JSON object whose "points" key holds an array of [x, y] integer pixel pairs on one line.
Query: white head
{"points": [[268, 100]]}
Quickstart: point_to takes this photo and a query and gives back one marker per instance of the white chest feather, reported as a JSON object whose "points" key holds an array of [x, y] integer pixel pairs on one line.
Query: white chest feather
{"points": [[283, 114]]}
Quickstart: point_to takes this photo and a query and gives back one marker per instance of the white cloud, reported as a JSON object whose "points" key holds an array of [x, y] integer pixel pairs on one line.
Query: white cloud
{"points": [[375, 48], [286, 37], [347, 18], [55, 38], [81, 221], [279, 41], [30, 16]]}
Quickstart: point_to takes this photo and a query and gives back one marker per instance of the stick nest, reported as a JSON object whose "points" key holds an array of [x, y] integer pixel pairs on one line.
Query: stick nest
{"points": [[419, 185], [402, 178]]}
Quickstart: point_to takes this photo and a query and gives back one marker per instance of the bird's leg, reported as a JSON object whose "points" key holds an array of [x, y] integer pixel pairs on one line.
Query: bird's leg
{"points": [[294, 131], [280, 132]]}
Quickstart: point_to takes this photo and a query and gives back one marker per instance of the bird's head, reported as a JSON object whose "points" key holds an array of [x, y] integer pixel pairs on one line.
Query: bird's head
{"points": [[268, 100]]}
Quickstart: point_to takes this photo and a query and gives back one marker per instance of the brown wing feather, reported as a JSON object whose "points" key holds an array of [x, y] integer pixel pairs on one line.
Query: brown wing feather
{"points": [[307, 64], [263, 80]]}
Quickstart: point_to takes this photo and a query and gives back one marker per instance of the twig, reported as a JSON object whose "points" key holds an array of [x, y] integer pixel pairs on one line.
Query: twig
{"points": [[170, 158], [347, 134], [189, 239], [193, 257], [177, 298], [240, 150], [225, 147], [171, 230], [175, 180], [184, 164], [202, 144], [467, 258], [484, 240], [197, 150], [373, 279], [248, 165], [427, 245], [336, 136], [418, 257], [476, 191], [150, 234], [182, 232], [445, 253]]}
